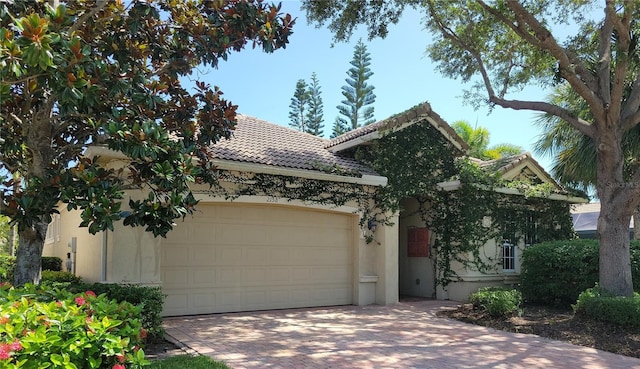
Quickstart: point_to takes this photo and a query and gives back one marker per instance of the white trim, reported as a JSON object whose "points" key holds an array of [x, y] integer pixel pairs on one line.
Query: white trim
{"points": [[454, 185], [354, 142], [375, 134], [272, 200], [368, 180]]}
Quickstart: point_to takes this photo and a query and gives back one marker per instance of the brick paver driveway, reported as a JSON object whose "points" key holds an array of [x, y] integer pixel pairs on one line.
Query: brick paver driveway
{"points": [[406, 335]]}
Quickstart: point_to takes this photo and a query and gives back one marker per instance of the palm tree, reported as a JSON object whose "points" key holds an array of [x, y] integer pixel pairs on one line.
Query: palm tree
{"points": [[574, 155], [478, 140]]}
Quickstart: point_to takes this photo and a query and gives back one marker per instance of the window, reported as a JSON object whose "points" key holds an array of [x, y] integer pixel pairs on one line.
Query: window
{"points": [[53, 231], [509, 256], [531, 231]]}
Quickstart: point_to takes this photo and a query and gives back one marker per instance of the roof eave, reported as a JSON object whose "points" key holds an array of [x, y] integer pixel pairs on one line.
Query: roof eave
{"points": [[455, 185]]}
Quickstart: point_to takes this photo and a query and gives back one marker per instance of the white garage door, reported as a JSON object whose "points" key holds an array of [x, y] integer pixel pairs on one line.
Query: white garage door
{"points": [[236, 257]]}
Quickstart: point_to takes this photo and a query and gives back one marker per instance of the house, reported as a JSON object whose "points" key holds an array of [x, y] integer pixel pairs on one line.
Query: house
{"points": [[299, 221], [585, 220]]}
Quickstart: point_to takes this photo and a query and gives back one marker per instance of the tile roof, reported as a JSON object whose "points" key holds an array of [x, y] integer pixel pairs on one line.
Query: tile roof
{"points": [[260, 142], [505, 164], [412, 115]]}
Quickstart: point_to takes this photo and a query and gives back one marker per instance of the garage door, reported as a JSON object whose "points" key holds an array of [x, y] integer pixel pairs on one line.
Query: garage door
{"points": [[237, 257]]}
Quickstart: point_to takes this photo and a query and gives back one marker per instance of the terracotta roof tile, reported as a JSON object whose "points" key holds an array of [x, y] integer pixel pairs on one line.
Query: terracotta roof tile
{"points": [[260, 142], [505, 164], [422, 110]]}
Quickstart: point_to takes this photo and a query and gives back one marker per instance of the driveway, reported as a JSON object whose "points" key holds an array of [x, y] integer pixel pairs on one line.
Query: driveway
{"points": [[405, 335]]}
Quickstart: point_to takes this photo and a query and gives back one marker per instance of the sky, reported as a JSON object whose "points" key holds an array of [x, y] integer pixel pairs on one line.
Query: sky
{"points": [[404, 76]]}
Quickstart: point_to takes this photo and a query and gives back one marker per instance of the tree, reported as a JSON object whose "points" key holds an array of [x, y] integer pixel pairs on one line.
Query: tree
{"points": [[573, 153], [299, 101], [478, 140], [505, 45], [315, 114], [108, 74], [339, 127], [356, 109]]}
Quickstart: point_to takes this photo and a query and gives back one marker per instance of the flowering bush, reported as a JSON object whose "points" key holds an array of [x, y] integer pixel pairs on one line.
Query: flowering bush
{"points": [[42, 328]]}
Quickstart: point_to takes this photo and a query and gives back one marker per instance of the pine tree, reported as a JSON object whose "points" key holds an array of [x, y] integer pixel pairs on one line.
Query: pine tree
{"points": [[356, 109], [339, 127], [315, 112], [299, 101]]}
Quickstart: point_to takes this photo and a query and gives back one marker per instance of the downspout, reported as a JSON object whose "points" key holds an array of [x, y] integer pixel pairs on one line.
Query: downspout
{"points": [[103, 258]]}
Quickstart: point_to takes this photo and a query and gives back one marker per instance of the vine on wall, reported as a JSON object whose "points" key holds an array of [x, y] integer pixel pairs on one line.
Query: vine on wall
{"points": [[418, 158], [415, 160]]}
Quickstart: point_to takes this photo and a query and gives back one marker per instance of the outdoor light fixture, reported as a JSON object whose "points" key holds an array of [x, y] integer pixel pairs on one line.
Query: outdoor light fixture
{"points": [[371, 225]]}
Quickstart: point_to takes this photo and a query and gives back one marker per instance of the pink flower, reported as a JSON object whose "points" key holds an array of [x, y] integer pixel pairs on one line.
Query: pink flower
{"points": [[90, 293], [15, 346], [119, 366], [80, 301], [5, 351], [120, 357]]}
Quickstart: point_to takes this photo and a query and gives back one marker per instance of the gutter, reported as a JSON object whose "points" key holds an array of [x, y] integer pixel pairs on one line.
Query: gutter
{"points": [[454, 185], [367, 180]]}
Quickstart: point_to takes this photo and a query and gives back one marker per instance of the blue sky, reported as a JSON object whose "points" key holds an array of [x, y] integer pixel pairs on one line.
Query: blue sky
{"points": [[263, 84]]}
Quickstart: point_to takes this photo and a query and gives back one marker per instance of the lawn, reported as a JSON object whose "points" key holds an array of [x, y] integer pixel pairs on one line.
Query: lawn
{"points": [[187, 362]]}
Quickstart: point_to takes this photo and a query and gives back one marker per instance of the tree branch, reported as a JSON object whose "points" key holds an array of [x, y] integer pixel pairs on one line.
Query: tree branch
{"points": [[581, 125], [623, 44], [571, 68], [630, 115], [100, 4]]}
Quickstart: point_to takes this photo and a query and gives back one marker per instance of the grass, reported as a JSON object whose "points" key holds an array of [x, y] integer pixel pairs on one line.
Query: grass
{"points": [[187, 362]]}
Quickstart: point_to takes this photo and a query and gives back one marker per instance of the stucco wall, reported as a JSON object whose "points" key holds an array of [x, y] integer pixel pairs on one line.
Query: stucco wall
{"points": [[415, 273], [88, 250]]}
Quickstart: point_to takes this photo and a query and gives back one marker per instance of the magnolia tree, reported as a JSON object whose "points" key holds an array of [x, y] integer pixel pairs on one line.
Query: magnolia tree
{"points": [[505, 45], [76, 74]]}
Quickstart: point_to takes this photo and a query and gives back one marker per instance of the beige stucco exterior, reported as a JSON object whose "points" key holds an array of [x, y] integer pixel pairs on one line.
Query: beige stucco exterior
{"points": [[416, 274], [130, 255]]}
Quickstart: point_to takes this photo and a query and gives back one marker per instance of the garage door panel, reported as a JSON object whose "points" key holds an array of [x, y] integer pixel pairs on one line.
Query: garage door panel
{"points": [[202, 255], [235, 257]]}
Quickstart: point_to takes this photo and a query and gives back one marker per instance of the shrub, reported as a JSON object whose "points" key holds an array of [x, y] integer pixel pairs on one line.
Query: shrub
{"points": [[150, 299], [55, 328], [59, 277], [7, 264], [497, 301], [555, 273], [623, 311], [51, 263]]}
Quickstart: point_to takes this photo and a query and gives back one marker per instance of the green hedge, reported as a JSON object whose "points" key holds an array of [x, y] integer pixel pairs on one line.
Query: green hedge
{"points": [[624, 311], [150, 299], [50, 276], [7, 265], [556, 272], [497, 301], [53, 263], [43, 327]]}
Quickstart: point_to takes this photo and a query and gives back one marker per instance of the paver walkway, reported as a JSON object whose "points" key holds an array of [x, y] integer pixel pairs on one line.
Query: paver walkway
{"points": [[406, 335]]}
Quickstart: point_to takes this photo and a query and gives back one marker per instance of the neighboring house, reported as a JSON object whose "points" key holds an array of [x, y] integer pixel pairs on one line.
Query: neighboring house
{"points": [[264, 251], [585, 220]]}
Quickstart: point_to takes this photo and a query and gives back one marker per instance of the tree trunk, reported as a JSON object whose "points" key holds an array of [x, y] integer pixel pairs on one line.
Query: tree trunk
{"points": [[29, 254], [615, 259], [636, 224], [617, 204], [12, 239]]}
